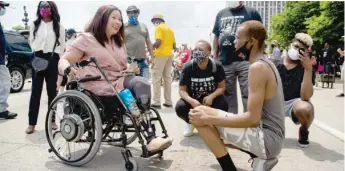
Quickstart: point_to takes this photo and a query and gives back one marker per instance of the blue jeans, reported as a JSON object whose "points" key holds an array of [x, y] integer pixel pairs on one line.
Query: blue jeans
{"points": [[144, 69], [5, 87]]}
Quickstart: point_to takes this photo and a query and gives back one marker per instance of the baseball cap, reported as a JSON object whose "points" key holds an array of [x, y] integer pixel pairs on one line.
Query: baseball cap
{"points": [[4, 4], [158, 16], [132, 8]]}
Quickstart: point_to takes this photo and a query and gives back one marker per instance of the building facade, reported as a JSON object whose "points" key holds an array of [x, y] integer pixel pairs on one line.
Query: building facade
{"points": [[266, 9]]}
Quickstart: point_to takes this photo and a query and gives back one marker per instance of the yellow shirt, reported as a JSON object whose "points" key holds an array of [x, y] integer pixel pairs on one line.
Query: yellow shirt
{"points": [[166, 35]]}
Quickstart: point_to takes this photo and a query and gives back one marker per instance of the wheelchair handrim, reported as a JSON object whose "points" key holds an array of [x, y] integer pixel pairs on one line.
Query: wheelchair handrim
{"points": [[49, 132]]}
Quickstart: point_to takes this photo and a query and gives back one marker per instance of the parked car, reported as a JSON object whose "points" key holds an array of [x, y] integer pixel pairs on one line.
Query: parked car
{"points": [[18, 59], [25, 33]]}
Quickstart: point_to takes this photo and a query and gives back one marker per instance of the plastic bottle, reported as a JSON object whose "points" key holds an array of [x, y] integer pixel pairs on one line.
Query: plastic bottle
{"points": [[130, 102]]}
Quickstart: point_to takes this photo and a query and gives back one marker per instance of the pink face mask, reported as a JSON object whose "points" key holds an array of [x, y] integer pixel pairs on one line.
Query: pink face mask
{"points": [[45, 12]]}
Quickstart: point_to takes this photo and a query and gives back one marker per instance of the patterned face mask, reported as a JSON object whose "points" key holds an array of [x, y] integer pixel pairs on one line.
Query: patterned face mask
{"points": [[199, 56]]}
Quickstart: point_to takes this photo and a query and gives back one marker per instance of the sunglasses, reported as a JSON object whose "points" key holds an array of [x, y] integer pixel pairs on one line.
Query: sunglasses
{"points": [[132, 12]]}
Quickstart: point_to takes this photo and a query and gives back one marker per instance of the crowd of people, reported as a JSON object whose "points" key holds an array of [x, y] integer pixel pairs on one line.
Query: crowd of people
{"points": [[270, 90]]}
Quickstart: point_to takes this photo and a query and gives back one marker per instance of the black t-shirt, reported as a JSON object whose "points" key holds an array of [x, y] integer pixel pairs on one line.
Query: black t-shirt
{"points": [[201, 83], [292, 80], [225, 27]]}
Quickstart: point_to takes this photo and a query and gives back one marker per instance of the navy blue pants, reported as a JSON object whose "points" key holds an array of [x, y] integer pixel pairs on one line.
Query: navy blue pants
{"points": [[182, 107], [50, 76]]}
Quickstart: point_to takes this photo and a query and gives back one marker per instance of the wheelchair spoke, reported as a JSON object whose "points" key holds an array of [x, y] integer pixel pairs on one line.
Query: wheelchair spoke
{"points": [[87, 119], [76, 135], [69, 151]]}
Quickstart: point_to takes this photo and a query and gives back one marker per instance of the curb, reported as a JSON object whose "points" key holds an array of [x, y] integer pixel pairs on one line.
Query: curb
{"points": [[329, 130]]}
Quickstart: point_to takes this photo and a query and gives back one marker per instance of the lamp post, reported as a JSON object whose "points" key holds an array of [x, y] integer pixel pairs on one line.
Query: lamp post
{"points": [[25, 19], [210, 33]]}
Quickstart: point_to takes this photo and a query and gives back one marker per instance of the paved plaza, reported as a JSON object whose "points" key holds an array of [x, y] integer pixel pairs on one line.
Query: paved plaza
{"points": [[21, 152]]}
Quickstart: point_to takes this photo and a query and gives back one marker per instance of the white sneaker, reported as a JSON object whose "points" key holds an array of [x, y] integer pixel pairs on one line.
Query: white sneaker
{"points": [[263, 165], [188, 130]]}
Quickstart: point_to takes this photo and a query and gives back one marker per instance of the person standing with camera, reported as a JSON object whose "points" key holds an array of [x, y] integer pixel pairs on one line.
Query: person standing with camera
{"points": [[47, 40]]}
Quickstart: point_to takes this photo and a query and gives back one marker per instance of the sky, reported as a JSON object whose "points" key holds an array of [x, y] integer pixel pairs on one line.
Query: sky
{"points": [[190, 20]]}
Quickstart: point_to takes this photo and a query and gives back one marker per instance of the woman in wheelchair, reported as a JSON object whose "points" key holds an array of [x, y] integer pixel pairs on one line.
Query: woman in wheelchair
{"points": [[104, 40]]}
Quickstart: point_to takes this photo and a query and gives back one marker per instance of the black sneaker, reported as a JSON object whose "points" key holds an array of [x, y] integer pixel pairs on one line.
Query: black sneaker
{"points": [[303, 140], [8, 115], [156, 106], [340, 95], [168, 105]]}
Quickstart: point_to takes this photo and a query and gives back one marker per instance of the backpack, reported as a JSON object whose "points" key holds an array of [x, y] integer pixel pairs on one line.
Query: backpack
{"points": [[214, 66]]}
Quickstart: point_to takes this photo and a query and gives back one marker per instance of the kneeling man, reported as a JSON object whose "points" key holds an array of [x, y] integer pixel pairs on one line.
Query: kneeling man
{"points": [[260, 131], [202, 81], [297, 78]]}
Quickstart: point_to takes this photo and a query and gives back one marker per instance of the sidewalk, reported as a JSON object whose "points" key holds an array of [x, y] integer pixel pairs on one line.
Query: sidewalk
{"points": [[19, 151]]}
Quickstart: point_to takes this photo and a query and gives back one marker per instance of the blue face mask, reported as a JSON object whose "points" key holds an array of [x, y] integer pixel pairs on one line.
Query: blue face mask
{"points": [[2, 11], [133, 20]]}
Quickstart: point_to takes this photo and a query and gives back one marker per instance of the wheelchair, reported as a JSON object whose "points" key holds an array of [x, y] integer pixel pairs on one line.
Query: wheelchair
{"points": [[85, 121]]}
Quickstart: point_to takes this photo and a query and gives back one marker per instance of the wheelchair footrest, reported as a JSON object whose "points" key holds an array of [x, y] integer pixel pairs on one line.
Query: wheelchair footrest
{"points": [[149, 154]]}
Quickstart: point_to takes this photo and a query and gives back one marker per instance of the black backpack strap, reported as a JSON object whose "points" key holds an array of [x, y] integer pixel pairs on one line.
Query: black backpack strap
{"points": [[193, 62], [214, 66]]}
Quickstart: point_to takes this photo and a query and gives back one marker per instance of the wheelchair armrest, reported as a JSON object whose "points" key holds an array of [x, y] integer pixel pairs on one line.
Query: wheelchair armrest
{"points": [[73, 84], [89, 78]]}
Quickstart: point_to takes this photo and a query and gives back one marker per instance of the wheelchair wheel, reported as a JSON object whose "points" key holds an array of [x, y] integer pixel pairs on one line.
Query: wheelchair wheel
{"points": [[132, 164], [79, 134], [130, 133]]}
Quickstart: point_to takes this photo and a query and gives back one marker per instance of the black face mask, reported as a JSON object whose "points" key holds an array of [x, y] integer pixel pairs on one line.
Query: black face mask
{"points": [[244, 52]]}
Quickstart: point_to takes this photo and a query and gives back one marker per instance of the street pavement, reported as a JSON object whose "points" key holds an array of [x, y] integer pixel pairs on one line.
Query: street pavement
{"points": [[21, 152]]}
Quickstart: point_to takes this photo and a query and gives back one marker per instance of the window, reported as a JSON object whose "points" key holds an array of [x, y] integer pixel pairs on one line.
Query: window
{"points": [[17, 42]]}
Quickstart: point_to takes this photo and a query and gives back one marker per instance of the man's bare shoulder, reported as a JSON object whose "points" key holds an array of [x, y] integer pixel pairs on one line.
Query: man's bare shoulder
{"points": [[260, 69], [258, 66]]}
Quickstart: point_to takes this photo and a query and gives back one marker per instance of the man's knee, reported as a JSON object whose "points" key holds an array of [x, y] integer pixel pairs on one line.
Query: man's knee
{"points": [[220, 103], [182, 109], [304, 110]]}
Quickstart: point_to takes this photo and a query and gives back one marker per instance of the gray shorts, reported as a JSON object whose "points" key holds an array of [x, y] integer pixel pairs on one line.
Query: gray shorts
{"points": [[288, 108], [248, 139]]}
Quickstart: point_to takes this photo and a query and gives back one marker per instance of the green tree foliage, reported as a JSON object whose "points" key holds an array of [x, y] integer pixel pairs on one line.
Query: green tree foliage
{"points": [[329, 25], [18, 27], [324, 21], [291, 21]]}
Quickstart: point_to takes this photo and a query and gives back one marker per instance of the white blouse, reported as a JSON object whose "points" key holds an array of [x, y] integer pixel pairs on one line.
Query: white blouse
{"points": [[45, 38]]}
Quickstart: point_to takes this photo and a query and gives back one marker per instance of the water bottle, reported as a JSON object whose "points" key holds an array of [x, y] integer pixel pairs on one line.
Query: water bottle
{"points": [[130, 102]]}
